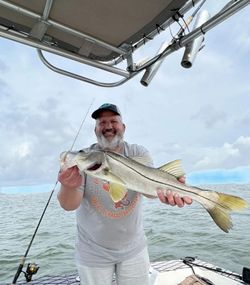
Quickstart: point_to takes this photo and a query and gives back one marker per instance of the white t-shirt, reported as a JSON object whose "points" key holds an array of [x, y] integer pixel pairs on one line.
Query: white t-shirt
{"points": [[108, 232]]}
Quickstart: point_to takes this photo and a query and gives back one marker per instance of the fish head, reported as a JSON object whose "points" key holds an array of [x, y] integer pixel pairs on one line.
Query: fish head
{"points": [[68, 159], [91, 162]]}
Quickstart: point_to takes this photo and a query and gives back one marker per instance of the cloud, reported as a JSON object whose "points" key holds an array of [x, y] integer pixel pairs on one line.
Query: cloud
{"points": [[240, 32], [3, 66], [243, 120], [32, 141], [229, 155], [4, 90], [203, 158], [200, 115], [208, 115]]}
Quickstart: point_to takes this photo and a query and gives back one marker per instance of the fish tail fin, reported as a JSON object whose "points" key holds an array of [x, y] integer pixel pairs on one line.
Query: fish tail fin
{"points": [[220, 207]]}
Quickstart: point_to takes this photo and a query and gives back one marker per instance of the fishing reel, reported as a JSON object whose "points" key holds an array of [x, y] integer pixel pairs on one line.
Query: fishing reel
{"points": [[31, 270]]}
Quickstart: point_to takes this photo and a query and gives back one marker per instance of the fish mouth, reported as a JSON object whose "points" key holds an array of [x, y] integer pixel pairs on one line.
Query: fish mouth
{"points": [[94, 166]]}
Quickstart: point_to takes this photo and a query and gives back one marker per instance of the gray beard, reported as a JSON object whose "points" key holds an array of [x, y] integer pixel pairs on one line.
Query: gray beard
{"points": [[109, 145]]}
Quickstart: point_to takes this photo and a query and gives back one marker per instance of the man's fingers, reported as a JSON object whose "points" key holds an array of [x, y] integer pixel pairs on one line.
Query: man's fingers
{"points": [[187, 200], [178, 201], [70, 177], [170, 197], [173, 199], [182, 179], [162, 196], [69, 172]]}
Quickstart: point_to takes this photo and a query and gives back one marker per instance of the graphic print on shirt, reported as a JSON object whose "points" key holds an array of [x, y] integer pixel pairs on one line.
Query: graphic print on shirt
{"points": [[100, 199]]}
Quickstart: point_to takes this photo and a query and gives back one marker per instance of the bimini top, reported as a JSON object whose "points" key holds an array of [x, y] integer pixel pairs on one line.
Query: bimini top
{"points": [[97, 29], [98, 33]]}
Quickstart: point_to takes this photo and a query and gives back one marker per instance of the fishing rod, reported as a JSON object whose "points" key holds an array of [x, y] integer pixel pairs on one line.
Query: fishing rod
{"points": [[32, 268]]}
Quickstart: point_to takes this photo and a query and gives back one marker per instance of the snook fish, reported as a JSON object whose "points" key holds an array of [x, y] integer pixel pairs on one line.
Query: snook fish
{"points": [[125, 173]]}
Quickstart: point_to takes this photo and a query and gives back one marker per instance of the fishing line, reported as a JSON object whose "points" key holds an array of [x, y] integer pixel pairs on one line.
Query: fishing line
{"points": [[80, 128], [22, 261]]}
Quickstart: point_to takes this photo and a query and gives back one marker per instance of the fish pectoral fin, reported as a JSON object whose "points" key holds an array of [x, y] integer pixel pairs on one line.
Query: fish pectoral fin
{"points": [[117, 191], [117, 188], [173, 167]]}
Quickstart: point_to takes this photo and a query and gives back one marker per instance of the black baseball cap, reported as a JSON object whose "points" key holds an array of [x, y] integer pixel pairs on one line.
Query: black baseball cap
{"points": [[106, 107]]}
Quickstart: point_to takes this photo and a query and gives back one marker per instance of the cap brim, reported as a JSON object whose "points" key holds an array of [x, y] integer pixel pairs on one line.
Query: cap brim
{"points": [[96, 114]]}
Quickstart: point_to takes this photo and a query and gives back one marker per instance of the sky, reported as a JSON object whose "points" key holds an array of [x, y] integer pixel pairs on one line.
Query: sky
{"points": [[199, 115]]}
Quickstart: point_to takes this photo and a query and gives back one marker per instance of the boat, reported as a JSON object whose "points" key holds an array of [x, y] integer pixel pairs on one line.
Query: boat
{"points": [[186, 271], [105, 35], [74, 30]]}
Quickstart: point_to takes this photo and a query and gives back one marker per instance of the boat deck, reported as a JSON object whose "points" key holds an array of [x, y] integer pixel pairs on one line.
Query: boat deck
{"points": [[54, 280], [161, 267]]}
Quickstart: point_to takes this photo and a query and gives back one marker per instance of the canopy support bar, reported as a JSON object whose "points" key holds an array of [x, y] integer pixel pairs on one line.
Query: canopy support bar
{"points": [[79, 77], [39, 29]]}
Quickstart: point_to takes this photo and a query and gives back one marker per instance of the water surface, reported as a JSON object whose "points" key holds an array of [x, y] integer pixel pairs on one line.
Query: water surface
{"points": [[172, 233]]}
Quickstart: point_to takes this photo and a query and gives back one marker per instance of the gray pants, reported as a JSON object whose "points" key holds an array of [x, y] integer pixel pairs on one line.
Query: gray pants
{"points": [[129, 272]]}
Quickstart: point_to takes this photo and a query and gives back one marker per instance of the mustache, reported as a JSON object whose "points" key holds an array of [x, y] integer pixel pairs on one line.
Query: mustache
{"points": [[109, 131]]}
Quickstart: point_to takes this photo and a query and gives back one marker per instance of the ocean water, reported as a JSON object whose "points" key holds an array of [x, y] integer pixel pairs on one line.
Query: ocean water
{"points": [[172, 233]]}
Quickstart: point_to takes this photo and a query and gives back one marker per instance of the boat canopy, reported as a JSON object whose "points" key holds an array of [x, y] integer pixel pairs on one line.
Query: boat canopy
{"points": [[99, 33]]}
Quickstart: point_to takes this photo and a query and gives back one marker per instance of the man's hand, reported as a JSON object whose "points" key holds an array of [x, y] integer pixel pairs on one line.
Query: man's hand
{"points": [[68, 196], [172, 198], [70, 177]]}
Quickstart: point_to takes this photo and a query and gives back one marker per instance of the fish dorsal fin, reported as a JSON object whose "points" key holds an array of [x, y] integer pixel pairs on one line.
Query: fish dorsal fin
{"points": [[173, 167], [117, 188], [146, 160]]}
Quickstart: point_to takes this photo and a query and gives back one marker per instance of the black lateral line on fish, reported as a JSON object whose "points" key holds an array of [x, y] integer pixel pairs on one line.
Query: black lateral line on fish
{"points": [[165, 184]]}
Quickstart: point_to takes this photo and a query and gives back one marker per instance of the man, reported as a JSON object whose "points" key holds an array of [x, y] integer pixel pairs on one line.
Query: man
{"points": [[110, 236]]}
